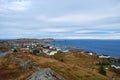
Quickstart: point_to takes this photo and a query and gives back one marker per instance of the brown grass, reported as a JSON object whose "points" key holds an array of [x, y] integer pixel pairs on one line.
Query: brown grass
{"points": [[75, 66]]}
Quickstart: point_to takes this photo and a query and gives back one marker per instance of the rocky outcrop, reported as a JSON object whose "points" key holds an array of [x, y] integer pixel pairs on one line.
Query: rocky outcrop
{"points": [[40, 73], [45, 74]]}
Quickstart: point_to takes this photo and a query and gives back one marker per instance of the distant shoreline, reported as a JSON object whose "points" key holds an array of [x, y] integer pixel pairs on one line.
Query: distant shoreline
{"points": [[99, 46]]}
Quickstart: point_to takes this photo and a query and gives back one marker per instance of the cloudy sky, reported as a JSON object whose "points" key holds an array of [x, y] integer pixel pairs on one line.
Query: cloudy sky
{"points": [[60, 19]]}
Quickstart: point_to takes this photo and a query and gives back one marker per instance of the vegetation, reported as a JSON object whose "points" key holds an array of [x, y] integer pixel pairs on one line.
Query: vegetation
{"points": [[73, 67], [102, 70], [40, 54], [59, 56]]}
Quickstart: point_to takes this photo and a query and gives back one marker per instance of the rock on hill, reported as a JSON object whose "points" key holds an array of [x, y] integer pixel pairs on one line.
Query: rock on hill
{"points": [[46, 74], [24, 66], [17, 66]]}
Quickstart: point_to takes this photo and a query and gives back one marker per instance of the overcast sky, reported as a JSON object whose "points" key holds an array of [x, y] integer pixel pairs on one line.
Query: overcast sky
{"points": [[60, 19]]}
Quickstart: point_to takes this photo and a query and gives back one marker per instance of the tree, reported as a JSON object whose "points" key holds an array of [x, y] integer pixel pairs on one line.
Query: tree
{"points": [[102, 70]]}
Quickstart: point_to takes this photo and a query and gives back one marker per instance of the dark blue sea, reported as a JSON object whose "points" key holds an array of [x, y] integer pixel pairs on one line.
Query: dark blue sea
{"points": [[109, 47]]}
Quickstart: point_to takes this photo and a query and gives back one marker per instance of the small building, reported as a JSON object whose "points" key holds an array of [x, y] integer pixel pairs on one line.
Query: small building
{"points": [[113, 60], [46, 51], [49, 52], [116, 66], [52, 52], [58, 49], [51, 47], [36, 51], [14, 50], [104, 56], [65, 51], [90, 53]]}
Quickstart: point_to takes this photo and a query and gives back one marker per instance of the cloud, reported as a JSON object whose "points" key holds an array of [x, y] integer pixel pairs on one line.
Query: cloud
{"points": [[92, 32], [15, 5], [54, 30], [75, 18], [60, 19], [78, 18], [91, 36]]}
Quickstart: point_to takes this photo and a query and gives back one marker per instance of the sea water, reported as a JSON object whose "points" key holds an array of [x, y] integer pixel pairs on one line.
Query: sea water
{"points": [[109, 47]]}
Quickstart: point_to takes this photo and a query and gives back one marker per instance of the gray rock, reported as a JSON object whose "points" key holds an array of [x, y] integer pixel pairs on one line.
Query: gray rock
{"points": [[24, 64], [46, 74]]}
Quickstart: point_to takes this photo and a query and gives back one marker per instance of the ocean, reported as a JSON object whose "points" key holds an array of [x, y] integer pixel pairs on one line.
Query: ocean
{"points": [[2, 54], [108, 47]]}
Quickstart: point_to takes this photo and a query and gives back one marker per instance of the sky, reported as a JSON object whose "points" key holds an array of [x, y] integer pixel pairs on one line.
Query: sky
{"points": [[60, 19]]}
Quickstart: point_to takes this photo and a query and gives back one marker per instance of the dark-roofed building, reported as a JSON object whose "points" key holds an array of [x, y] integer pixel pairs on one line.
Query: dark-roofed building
{"points": [[35, 51]]}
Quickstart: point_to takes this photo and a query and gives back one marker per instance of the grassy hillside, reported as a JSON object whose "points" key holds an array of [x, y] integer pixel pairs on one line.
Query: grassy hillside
{"points": [[72, 66]]}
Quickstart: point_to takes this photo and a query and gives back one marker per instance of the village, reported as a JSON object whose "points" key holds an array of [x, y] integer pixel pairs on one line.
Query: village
{"points": [[45, 48], [37, 47]]}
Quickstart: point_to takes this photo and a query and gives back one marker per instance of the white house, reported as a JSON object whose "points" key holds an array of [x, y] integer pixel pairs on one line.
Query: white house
{"points": [[90, 53], [58, 49], [52, 52], [65, 51], [46, 51], [104, 56], [50, 47], [116, 66], [49, 52]]}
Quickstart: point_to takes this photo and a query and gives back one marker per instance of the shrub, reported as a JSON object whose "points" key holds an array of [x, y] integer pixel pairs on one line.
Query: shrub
{"points": [[59, 56], [102, 70]]}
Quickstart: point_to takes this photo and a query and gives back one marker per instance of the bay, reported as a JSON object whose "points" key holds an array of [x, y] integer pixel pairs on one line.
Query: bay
{"points": [[109, 47]]}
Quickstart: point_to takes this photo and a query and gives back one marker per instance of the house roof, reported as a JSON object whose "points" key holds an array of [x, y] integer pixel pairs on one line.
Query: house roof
{"points": [[103, 56], [35, 49], [118, 64]]}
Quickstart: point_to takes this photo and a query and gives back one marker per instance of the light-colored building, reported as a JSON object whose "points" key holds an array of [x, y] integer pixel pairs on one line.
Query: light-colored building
{"points": [[90, 53], [116, 66], [104, 56], [49, 52], [52, 52]]}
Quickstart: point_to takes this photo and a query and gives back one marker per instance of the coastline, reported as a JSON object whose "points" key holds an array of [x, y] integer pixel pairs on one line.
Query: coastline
{"points": [[2, 54], [108, 47]]}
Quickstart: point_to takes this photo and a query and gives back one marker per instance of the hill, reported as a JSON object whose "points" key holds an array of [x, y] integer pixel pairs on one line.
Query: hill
{"points": [[23, 66]]}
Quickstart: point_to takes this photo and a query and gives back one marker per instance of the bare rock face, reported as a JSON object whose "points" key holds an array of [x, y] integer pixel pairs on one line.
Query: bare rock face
{"points": [[45, 74], [39, 74]]}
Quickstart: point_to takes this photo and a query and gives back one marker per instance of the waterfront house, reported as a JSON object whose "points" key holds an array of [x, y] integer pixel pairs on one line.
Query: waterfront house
{"points": [[113, 60], [65, 51], [104, 56], [116, 66], [90, 53], [51, 47], [58, 49]]}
